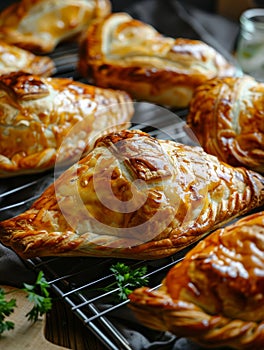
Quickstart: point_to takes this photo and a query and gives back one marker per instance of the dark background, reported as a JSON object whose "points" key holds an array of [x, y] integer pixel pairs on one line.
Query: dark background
{"points": [[208, 5], [120, 5]]}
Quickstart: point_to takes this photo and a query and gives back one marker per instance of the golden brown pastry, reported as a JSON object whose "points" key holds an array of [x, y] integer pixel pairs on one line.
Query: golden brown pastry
{"points": [[121, 52], [40, 25], [133, 196], [227, 116], [216, 294], [12, 58], [44, 121]]}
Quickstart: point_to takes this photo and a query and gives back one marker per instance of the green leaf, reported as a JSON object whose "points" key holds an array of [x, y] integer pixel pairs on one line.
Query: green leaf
{"points": [[38, 294], [127, 279], [6, 309]]}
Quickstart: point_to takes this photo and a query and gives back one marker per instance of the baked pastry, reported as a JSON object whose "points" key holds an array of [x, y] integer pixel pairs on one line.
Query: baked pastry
{"points": [[48, 121], [40, 25], [215, 294], [133, 196], [12, 58], [227, 116], [121, 52]]}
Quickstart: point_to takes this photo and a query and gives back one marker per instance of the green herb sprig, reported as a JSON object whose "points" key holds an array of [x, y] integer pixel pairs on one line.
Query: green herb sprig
{"points": [[127, 279], [6, 309], [37, 293]]}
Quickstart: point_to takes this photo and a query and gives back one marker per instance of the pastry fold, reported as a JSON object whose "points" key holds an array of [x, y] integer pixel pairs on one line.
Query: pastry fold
{"points": [[13, 58], [40, 25], [227, 116], [215, 294], [133, 196], [48, 121], [121, 52]]}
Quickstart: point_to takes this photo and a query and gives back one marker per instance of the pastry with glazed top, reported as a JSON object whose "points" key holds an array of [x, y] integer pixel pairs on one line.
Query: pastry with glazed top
{"points": [[215, 295], [121, 52], [133, 196], [40, 25], [48, 121], [12, 58], [227, 116]]}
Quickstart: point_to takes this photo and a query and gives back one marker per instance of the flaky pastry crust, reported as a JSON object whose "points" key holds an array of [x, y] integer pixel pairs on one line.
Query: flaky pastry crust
{"points": [[13, 58], [227, 116], [133, 196], [215, 295], [48, 121], [40, 25], [121, 52]]}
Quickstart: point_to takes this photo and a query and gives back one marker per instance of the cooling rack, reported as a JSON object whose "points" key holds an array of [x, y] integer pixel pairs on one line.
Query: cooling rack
{"points": [[80, 282]]}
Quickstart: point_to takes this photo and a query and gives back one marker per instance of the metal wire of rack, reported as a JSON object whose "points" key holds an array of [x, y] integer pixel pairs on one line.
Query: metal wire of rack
{"points": [[83, 290]]}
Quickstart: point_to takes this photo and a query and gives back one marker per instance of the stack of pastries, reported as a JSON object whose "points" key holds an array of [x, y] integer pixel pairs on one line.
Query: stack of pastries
{"points": [[131, 195]]}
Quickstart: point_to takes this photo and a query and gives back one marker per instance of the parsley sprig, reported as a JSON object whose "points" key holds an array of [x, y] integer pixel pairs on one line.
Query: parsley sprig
{"points": [[127, 279], [6, 309], [37, 293]]}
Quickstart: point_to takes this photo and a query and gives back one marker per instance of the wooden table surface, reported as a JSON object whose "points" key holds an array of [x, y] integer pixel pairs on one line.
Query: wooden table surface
{"points": [[64, 328], [59, 329]]}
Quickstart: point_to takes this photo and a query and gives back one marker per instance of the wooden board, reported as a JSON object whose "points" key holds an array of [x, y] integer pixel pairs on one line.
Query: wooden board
{"points": [[26, 335]]}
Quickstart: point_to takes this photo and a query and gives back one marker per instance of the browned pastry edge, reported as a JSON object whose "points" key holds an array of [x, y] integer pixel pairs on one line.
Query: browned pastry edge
{"points": [[69, 24], [170, 309], [54, 120], [226, 115], [44, 230], [42, 65], [11, 57], [146, 81], [187, 320]]}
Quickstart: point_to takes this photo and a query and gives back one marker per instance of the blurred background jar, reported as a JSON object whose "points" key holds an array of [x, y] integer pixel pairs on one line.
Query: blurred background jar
{"points": [[250, 44]]}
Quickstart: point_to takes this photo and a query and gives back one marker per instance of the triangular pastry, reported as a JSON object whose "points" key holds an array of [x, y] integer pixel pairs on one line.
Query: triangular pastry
{"points": [[13, 58], [227, 116], [133, 196], [118, 51], [40, 25], [215, 295], [48, 121]]}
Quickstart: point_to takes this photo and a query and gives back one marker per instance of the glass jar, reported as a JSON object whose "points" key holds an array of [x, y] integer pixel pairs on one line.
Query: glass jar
{"points": [[250, 45]]}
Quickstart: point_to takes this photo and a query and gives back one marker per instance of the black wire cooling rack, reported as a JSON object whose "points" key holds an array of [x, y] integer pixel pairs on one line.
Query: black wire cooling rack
{"points": [[80, 282]]}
